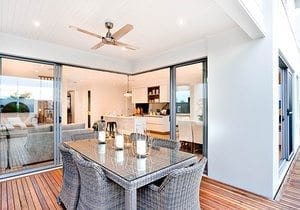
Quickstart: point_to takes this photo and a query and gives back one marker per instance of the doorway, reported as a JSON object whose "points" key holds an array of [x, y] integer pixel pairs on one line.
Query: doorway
{"points": [[286, 149], [27, 115]]}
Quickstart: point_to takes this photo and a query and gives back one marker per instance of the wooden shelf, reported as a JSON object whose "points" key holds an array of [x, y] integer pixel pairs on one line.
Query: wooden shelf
{"points": [[153, 94]]}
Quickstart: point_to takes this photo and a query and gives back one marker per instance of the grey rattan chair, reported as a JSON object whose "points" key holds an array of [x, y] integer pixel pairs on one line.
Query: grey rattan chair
{"points": [[171, 144], [85, 135], [71, 184], [179, 190], [96, 191], [134, 136]]}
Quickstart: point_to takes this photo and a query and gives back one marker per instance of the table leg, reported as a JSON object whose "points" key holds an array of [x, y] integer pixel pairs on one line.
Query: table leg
{"points": [[130, 199]]}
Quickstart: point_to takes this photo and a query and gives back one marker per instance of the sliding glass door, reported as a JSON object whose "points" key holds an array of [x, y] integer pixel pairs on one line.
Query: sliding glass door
{"points": [[285, 143], [189, 105], [26, 116]]}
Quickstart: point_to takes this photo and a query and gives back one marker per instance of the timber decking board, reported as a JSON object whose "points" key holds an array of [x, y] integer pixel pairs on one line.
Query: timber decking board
{"points": [[40, 191], [289, 193]]}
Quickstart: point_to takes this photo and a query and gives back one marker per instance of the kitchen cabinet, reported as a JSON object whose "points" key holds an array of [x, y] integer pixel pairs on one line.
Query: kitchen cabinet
{"points": [[158, 123], [153, 94], [140, 95], [164, 93]]}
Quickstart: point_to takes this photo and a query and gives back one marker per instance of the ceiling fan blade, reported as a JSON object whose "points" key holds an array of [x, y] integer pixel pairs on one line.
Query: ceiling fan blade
{"points": [[100, 44], [85, 31], [127, 46], [122, 31]]}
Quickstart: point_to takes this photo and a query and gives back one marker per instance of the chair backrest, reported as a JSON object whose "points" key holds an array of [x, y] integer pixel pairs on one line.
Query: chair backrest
{"points": [[185, 131], [71, 182], [96, 191], [180, 189], [171, 144], [135, 136], [85, 135], [94, 184], [67, 159]]}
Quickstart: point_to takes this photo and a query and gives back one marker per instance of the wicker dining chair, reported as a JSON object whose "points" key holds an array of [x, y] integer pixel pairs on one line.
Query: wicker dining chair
{"points": [[96, 190], [85, 135], [71, 183], [179, 190], [134, 136], [171, 144]]}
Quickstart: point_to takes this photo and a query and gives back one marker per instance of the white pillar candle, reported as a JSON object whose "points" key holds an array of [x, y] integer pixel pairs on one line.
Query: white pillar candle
{"points": [[141, 147], [119, 141], [101, 136], [141, 164], [119, 156]]}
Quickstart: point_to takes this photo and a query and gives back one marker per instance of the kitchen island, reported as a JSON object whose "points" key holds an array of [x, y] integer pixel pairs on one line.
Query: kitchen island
{"points": [[127, 125], [158, 123]]}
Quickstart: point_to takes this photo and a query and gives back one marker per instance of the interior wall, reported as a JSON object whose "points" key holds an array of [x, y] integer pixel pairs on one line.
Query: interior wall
{"points": [[240, 115], [19, 46], [105, 99]]}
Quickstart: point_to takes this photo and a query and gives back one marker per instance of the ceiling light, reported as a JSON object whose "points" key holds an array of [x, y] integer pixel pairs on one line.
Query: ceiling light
{"points": [[181, 22], [36, 23], [128, 92]]}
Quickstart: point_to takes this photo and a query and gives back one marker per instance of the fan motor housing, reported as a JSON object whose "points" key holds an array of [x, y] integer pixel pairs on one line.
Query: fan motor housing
{"points": [[109, 25]]}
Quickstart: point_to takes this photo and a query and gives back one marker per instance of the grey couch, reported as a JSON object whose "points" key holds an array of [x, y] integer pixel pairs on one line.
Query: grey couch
{"points": [[40, 140]]}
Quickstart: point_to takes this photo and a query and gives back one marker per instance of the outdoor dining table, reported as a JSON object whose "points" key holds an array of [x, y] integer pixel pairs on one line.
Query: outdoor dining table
{"points": [[126, 169]]}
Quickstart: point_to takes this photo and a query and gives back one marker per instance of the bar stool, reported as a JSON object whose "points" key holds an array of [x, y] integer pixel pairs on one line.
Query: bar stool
{"points": [[111, 127]]}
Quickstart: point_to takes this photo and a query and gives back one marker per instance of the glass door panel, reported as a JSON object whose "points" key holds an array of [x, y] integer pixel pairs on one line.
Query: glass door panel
{"points": [[190, 106], [26, 117]]}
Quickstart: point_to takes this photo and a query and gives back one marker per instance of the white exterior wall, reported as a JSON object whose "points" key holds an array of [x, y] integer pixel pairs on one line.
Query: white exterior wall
{"points": [[285, 43], [19, 46], [240, 115]]}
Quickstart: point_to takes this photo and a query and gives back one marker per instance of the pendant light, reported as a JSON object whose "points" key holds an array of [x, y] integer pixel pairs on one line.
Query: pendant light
{"points": [[128, 92]]}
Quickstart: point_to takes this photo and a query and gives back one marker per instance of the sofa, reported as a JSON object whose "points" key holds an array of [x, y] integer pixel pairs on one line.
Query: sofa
{"points": [[40, 140]]}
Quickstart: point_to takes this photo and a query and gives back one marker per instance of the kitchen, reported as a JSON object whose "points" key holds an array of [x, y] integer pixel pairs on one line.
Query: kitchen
{"points": [[148, 98]]}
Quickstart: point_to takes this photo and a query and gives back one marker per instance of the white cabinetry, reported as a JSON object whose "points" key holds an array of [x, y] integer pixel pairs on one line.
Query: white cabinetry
{"points": [[164, 93], [159, 124], [140, 95]]}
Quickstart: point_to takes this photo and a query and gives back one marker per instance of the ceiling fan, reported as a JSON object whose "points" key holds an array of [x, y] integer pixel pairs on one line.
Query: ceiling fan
{"points": [[109, 38]]}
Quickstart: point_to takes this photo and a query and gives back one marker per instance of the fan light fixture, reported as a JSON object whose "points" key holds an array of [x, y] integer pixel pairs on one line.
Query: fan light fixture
{"points": [[128, 92]]}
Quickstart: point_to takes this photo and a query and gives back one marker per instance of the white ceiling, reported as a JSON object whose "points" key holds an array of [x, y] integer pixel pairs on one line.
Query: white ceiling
{"points": [[156, 23]]}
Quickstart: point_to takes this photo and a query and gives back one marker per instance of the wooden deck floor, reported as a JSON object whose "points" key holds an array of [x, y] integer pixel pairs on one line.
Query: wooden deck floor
{"points": [[289, 193], [39, 191]]}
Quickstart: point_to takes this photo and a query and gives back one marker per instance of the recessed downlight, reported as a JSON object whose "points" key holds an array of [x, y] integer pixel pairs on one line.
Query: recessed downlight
{"points": [[36, 23], [181, 21]]}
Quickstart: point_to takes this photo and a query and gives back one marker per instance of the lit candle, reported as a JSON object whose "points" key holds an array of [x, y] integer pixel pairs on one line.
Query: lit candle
{"points": [[141, 147], [119, 141], [141, 164], [101, 136]]}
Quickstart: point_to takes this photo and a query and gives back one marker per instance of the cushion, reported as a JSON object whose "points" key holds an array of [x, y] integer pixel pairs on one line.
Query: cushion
{"points": [[73, 126], [16, 122]]}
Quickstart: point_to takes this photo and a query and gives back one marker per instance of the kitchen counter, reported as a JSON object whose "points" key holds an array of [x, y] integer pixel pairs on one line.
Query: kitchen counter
{"points": [[160, 116], [128, 124]]}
